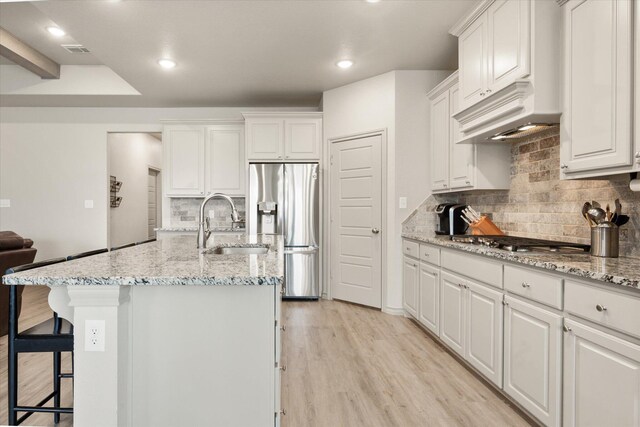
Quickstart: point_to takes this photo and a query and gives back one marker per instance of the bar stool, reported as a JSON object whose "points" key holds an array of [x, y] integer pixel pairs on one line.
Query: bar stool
{"points": [[86, 254], [52, 336], [117, 248]]}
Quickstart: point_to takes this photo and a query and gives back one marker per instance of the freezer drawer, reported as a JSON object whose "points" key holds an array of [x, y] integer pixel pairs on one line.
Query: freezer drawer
{"points": [[301, 273]]}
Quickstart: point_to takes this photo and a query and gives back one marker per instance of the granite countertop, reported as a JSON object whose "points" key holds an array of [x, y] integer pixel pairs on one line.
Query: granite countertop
{"points": [[615, 271], [194, 228], [174, 260]]}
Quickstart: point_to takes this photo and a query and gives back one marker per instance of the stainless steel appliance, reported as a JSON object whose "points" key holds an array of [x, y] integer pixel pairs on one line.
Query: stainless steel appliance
{"points": [[521, 244], [284, 199], [450, 219]]}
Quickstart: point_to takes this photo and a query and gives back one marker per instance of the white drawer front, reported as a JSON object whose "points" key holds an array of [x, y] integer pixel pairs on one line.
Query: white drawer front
{"points": [[430, 254], [617, 311], [474, 266], [411, 249], [534, 285]]}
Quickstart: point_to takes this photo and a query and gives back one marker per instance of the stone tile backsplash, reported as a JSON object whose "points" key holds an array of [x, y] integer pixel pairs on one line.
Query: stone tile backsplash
{"points": [[540, 205], [185, 212]]}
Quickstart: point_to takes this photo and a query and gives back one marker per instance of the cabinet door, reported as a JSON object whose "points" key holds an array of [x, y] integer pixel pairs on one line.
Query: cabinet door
{"points": [[265, 139], [226, 163], [462, 156], [597, 104], [410, 286], [452, 309], [533, 359], [508, 43], [184, 160], [484, 331], [440, 123], [429, 301], [302, 139], [472, 60], [601, 378]]}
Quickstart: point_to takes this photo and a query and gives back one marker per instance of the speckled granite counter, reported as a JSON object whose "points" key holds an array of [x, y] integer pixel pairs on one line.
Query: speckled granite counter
{"points": [[188, 229], [614, 271], [174, 260]]}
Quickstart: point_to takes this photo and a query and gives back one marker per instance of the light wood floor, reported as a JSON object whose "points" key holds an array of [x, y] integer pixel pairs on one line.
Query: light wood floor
{"points": [[349, 365], [346, 366]]}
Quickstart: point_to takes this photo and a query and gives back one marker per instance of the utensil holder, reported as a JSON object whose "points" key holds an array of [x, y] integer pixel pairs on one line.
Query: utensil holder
{"points": [[605, 240]]}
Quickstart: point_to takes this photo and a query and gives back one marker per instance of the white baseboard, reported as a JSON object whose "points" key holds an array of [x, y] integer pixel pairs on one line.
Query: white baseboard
{"points": [[393, 311]]}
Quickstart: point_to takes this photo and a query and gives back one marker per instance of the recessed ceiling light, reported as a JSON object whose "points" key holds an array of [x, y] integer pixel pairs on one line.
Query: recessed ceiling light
{"points": [[373, 1], [345, 63], [167, 63], [56, 31]]}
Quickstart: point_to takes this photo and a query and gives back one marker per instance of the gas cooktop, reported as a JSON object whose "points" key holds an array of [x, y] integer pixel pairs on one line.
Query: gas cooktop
{"points": [[520, 244]]}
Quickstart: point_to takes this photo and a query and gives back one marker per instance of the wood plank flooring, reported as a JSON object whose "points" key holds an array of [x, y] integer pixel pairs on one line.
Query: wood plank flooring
{"points": [[347, 365]]}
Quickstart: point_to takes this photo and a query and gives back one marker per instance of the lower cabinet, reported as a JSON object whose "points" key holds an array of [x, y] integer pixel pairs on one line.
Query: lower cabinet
{"points": [[410, 277], [471, 323], [601, 378], [533, 359], [429, 297]]}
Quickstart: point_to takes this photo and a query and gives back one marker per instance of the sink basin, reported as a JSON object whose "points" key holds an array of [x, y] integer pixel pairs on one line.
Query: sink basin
{"points": [[239, 250]]}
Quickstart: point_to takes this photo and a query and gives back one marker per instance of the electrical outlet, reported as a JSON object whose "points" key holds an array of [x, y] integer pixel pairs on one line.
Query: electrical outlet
{"points": [[403, 203], [88, 204], [5, 203], [94, 335]]}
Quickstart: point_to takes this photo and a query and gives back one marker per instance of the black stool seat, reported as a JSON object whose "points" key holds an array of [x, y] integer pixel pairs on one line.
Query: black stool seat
{"points": [[48, 328]]}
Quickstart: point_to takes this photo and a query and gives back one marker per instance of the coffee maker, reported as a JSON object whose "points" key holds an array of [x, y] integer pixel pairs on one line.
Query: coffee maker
{"points": [[450, 219]]}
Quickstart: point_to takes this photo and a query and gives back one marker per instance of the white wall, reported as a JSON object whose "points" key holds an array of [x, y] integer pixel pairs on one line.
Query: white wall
{"points": [[52, 159], [395, 101], [130, 157]]}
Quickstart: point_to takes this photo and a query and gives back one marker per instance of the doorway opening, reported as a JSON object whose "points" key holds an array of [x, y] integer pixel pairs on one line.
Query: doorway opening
{"points": [[135, 162]]}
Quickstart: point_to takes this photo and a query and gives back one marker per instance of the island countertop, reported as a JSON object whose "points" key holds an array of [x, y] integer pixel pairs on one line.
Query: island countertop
{"points": [[168, 262]]}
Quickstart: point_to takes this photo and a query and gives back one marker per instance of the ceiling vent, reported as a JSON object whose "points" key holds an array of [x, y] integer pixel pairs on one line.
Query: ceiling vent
{"points": [[75, 48]]}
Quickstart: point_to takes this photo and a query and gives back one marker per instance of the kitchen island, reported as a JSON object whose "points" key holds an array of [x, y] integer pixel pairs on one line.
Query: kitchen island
{"points": [[191, 337]]}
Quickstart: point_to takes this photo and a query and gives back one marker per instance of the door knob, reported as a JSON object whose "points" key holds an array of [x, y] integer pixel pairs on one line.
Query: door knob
{"points": [[375, 230]]}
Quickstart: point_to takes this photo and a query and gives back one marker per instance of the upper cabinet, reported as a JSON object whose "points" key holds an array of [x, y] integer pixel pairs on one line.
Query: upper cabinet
{"points": [[203, 158], [283, 136], [508, 65], [459, 167], [183, 152], [597, 99]]}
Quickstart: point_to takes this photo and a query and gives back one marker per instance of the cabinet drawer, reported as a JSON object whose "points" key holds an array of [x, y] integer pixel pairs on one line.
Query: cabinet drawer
{"points": [[474, 266], [430, 254], [411, 249], [617, 311], [534, 285]]}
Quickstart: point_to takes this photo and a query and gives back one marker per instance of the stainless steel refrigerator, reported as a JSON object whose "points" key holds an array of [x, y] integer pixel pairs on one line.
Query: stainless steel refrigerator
{"points": [[284, 199]]}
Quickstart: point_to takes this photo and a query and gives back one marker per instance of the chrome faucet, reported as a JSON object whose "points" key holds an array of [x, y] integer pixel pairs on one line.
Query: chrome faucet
{"points": [[203, 228]]}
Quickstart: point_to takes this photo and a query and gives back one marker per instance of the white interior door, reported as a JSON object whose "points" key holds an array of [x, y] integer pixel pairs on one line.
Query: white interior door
{"points": [[356, 219]]}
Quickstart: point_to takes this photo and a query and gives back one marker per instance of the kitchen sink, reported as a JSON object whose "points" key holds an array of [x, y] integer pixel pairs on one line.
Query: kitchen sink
{"points": [[239, 250]]}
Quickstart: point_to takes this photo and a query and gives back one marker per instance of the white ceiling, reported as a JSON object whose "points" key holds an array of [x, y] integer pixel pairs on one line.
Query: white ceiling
{"points": [[237, 53]]}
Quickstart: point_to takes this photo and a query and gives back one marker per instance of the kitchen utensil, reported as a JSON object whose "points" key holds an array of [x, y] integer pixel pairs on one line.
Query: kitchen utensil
{"points": [[617, 212], [597, 215], [608, 212], [622, 220], [595, 204], [605, 240], [585, 209]]}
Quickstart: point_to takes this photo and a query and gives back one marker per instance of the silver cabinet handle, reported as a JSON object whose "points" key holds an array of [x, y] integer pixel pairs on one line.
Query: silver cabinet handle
{"points": [[283, 328], [481, 93], [566, 328], [283, 412], [525, 285], [488, 90], [638, 155], [601, 307], [444, 185], [468, 182], [376, 231], [284, 368], [563, 166]]}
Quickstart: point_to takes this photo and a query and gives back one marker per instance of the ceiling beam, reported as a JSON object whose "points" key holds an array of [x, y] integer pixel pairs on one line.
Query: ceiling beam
{"points": [[27, 57]]}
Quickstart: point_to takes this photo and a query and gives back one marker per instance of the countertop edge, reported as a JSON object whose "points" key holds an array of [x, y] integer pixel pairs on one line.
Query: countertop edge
{"points": [[146, 281], [604, 278]]}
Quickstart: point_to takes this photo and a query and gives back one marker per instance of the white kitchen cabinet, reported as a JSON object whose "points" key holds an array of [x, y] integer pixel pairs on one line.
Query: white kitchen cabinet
{"points": [[184, 161], [452, 312], [283, 136], [429, 297], [596, 125], [410, 280], [533, 359], [484, 330], [460, 167], [508, 64], [225, 159], [601, 378]]}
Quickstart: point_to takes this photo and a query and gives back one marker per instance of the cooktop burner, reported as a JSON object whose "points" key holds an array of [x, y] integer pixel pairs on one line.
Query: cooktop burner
{"points": [[519, 244]]}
